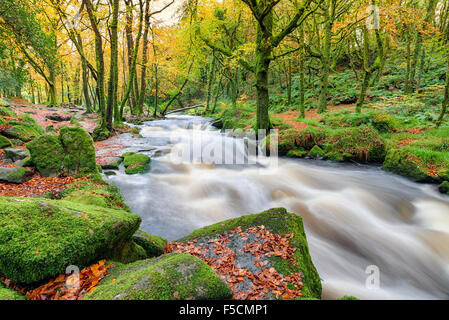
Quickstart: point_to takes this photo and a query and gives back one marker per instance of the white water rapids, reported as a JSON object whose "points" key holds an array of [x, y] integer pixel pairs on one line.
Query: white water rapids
{"points": [[355, 216]]}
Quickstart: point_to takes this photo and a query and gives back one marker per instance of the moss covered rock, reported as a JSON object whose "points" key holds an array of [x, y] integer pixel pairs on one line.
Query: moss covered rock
{"points": [[444, 187], [4, 102], [24, 131], [47, 154], [79, 151], [277, 221], [5, 142], [316, 152], [15, 174], [16, 154], [405, 163], [136, 163], [171, 276], [100, 133], [40, 238], [153, 245], [363, 143], [304, 139]]}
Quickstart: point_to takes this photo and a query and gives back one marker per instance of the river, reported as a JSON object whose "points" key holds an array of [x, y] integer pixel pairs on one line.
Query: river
{"points": [[358, 219]]}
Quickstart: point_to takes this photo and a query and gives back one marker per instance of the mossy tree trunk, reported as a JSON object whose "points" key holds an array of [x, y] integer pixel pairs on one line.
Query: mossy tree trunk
{"points": [[444, 106], [302, 74], [113, 73]]}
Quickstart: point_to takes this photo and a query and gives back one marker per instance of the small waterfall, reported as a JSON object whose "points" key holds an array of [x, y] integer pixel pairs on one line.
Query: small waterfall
{"points": [[356, 217]]}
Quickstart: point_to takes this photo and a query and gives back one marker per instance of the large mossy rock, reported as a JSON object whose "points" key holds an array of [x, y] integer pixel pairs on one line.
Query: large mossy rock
{"points": [[47, 154], [41, 238], [405, 163], [136, 163], [171, 276], [6, 111], [294, 139], [24, 131], [111, 162], [277, 221], [9, 294], [362, 144], [15, 174], [16, 154], [79, 151], [153, 245], [5, 142]]}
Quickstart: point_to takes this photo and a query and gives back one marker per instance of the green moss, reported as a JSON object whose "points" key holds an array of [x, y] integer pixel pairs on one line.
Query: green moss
{"points": [[296, 153], [112, 163], [153, 245], [136, 163], [127, 252], [79, 151], [40, 238], [100, 133], [4, 142], [304, 139], [47, 154], [4, 103], [24, 131], [363, 143], [50, 128], [14, 174], [316, 152], [168, 277], [10, 294], [31, 121], [277, 221], [5, 111], [444, 187], [348, 298], [405, 163]]}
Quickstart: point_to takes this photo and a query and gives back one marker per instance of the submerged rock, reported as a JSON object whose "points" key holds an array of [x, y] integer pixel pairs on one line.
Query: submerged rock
{"points": [[41, 238], [171, 276]]}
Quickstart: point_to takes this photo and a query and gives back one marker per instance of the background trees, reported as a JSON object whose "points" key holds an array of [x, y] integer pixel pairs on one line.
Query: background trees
{"points": [[131, 57]]}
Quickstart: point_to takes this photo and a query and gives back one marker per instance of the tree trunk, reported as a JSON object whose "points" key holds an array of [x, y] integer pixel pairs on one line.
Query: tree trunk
{"points": [[113, 74], [444, 106]]}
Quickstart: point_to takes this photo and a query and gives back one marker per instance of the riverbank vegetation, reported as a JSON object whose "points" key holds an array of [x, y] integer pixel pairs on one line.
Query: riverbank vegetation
{"points": [[342, 80]]}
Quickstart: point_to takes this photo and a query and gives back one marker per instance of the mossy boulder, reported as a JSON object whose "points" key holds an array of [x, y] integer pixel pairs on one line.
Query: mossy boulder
{"points": [[47, 154], [444, 187], [100, 133], [277, 221], [304, 139], [5, 142], [136, 163], [405, 163], [79, 151], [363, 143], [174, 276], [10, 294], [50, 128], [24, 131], [15, 174], [296, 153], [153, 245], [40, 238], [316, 152]]}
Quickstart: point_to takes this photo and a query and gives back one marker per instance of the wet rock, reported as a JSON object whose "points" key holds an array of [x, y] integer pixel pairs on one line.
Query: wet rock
{"points": [[153, 245], [136, 163]]}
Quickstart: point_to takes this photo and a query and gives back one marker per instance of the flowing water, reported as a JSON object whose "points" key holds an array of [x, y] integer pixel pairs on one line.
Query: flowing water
{"points": [[355, 217]]}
